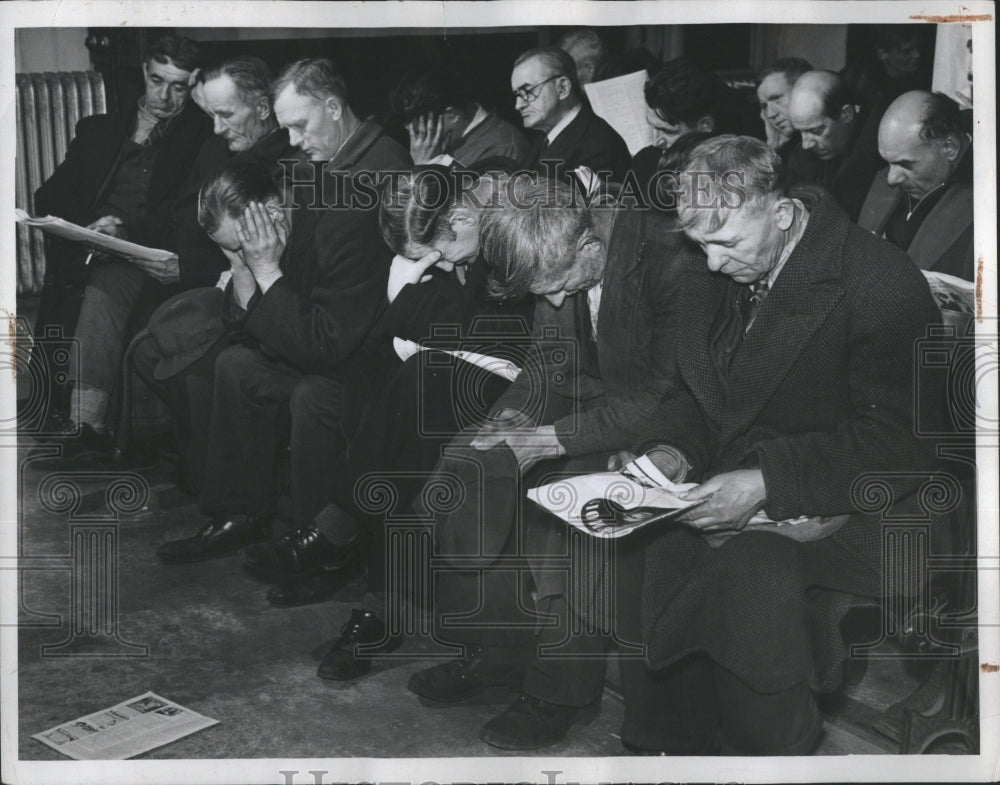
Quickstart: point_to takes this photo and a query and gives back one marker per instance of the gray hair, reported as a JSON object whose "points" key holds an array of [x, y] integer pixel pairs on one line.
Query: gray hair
{"points": [[557, 61], [250, 75], [726, 173], [317, 77], [529, 236]]}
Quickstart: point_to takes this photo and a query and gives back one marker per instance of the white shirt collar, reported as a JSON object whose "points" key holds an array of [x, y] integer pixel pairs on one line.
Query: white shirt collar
{"points": [[567, 118], [477, 119]]}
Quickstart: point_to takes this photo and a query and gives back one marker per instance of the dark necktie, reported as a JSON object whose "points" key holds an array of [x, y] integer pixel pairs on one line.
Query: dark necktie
{"points": [[155, 134], [732, 321]]}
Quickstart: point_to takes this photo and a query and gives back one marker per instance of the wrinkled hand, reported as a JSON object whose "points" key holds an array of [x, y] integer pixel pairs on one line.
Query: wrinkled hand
{"points": [[774, 138], [733, 499], [111, 225], [620, 459], [426, 138], [405, 271], [166, 271], [528, 443], [262, 241]]}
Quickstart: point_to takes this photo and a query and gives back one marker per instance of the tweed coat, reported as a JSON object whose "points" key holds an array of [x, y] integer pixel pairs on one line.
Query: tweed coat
{"points": [[821, 391]]}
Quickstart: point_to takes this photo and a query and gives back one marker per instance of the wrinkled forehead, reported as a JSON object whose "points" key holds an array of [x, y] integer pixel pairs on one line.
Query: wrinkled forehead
{"points": [[289, 103], [168, 72], [530, 72]]}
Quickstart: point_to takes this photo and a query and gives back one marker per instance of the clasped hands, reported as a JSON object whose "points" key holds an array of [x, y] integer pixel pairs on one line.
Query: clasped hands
{"points": [[727, 501], [529, 443]]}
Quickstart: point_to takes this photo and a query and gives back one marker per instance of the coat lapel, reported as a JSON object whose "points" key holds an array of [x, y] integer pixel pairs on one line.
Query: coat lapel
{"points": [[703, 293], [950, 217], [879, 205]]}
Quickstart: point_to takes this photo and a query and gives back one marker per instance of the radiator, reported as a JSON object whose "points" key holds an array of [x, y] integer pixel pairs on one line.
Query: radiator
{"points": [[48, 108]]}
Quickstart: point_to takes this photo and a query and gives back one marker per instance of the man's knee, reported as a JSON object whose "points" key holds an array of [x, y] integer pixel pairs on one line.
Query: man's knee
{"points": [[317, 398], [118, 281]]}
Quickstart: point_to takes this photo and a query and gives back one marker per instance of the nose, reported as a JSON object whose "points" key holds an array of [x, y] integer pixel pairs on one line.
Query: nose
{"points": [[217, 126], [808, 143], [715, 260], [894, 176], [556, 299], [294, 138], [519, 103]]}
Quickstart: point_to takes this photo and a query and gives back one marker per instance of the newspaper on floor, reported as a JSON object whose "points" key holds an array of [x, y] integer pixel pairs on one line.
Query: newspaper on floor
{"points": [[128, 729], [613, 504]]}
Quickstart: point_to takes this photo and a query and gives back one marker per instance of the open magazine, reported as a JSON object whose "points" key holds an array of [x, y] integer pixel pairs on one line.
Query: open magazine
{"points": [[91, 239], [613, 504]]}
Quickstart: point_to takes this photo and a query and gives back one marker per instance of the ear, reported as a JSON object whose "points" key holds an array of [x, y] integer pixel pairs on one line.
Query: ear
{"points": [[334, 107], [705, 123], [564, 86], [263, 108], [194, 77], [145, 71], [784, 213], [952, 147], [847, 114]]}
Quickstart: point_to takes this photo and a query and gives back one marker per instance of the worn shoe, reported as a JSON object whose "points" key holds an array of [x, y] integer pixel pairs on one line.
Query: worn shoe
{"points": [[303, 552], [219, 537], [462, 678], [364, 628], [531, 724], [316, 587]]}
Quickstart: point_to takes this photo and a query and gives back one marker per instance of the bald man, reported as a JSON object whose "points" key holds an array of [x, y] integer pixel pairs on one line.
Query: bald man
{"points": [[839, 134], [923, 201]]}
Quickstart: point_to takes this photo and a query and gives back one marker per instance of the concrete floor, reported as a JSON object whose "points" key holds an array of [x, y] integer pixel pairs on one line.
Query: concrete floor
{"points": [[214, 645]]}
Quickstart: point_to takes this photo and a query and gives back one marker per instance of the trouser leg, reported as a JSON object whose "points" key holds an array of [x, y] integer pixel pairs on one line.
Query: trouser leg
{"points": [[249, 426], [112, 292]]}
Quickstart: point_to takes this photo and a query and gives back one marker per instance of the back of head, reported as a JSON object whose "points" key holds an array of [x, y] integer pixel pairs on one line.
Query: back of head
{"points": [[250, 75], [942, 117], [727, 173], [414, 208], [228, 192], [317, 77], [680, 92], [529, 237], [182, 52], [557, 62]]}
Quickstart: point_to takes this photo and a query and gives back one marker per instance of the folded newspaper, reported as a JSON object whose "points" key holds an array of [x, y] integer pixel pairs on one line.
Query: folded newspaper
{"points": [[125, 730], [504, 368], [614, 504], [91, 239]]}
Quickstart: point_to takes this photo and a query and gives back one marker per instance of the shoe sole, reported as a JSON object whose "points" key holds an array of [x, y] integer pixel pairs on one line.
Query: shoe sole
{"points": [[587, 716]]}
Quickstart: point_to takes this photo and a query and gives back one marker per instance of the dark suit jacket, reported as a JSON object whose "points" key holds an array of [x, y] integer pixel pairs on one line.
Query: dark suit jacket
{"points": [[822, 387], [945, 240], [321, 310], [81, 181], [849, 176], [587, 141], [600, 399]]}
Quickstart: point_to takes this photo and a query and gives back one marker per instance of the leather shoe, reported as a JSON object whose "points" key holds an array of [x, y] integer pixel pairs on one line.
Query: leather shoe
{"points": [[462, 678], [219, 537], [341, 663], [317, 587], [303, 552], [530, 724]]}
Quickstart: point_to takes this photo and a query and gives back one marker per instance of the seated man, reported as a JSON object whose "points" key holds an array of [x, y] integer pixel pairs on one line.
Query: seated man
{"points": [[446, 125], [923, 202], [795, 378], [587, 51], [306, 315], [548, 97], [604, 282], [773, 88], [839, 134], [236, 94], [121, 176]]}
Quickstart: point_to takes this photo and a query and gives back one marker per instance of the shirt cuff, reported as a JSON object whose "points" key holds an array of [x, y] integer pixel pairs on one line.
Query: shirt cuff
{"points": [[266, 281]]}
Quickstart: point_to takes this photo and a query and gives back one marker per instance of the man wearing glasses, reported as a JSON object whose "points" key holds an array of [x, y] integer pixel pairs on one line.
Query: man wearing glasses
{"points": [[550, 100]]}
